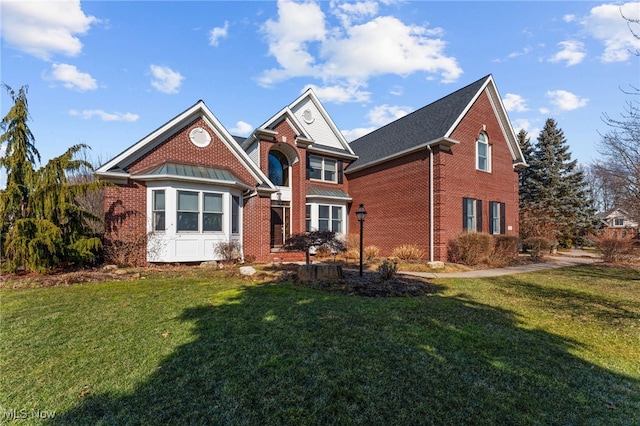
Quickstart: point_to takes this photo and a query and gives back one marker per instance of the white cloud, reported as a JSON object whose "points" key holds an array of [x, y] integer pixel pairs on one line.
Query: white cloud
{"points": [[165, 79], [348, 12], [513, 102], [340, 93], [73, 79], [385, 114], [45, 28], [572, 52], [566, 101], [304, 45], [352, 135], [104, 116], [242, 128], [218, 33], [606, 23], [569, 18]]}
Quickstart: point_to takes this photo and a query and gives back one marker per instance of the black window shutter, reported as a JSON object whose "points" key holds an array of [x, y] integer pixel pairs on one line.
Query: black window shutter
{"points": [[503, 218], [464, 214], [479, 215], [340, 171], [491, 204], [308, 166]]}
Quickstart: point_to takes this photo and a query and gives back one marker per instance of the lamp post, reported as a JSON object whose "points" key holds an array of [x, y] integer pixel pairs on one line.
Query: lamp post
{"points": [[361, 213]]}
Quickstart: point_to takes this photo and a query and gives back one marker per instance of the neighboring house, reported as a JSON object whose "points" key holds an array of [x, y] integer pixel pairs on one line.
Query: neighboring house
{"points": [[448, 167], [617, 223]]}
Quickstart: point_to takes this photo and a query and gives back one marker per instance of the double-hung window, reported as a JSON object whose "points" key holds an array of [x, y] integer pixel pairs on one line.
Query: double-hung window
{"points": [[235, 214], [618, 221], [483, 153], [324, 169], [329, 218], [496, 217], [471, 215], [199, 212], [159, 223]]}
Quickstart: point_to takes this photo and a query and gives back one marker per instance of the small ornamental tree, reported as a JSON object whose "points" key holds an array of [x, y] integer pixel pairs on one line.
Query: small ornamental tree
{"points": [[306, 240]]}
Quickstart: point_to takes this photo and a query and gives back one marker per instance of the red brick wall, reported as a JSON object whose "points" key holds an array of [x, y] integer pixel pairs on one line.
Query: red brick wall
{"points": [[396, 193], [125, 205], [396, 197]]}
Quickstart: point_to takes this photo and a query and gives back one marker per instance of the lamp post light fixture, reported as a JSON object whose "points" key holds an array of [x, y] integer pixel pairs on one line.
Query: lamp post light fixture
{"points": [[361, 213]]}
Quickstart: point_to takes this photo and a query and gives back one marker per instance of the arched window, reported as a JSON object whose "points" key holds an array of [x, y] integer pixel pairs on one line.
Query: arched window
{"points": [[483, 153], [278, 168]]}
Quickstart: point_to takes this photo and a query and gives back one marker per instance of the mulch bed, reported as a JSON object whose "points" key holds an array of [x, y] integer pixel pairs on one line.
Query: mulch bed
{"points": [[370, 284]]}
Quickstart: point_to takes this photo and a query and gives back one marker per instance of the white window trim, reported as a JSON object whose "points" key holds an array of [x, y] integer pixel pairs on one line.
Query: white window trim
{"points": [[315, 216], [323, 169], [488, 159], [201, 212]]}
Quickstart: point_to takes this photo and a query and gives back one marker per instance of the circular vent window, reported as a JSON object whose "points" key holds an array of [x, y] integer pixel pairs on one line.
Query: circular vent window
{"points": [[308, 116], [200, 137]]}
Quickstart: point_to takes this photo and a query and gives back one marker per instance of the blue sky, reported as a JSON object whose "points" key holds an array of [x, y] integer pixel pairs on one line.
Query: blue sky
{"points": [[108, 73]]}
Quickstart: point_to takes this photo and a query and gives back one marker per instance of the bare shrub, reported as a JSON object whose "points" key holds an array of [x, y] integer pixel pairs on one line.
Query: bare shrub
{"points": [[371, 252], [352, 254], [537, 246], [323, 251], [388, 269], [352, 241], [470, 248], [505, 249], [615, 250], [408, 252], [228, 251], [126, 248]]}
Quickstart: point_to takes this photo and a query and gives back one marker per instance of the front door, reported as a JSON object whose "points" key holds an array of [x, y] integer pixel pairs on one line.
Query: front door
{"points": [[280, 224]]}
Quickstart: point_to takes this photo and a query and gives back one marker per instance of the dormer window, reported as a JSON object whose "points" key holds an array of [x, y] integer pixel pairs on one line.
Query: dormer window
{"points": [[618, 221], [483, 153]]}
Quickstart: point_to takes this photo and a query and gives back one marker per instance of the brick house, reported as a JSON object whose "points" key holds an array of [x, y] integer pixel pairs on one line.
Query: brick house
{"points": [[423, 179], [617, 223], [446, 168]]}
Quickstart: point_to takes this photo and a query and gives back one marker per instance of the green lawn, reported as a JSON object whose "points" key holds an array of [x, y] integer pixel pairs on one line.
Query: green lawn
{"points": [[557, 347]]}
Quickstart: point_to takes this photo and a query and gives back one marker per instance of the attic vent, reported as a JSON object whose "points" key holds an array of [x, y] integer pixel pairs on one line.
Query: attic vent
{"points": [[199, 137], [307, 115]]}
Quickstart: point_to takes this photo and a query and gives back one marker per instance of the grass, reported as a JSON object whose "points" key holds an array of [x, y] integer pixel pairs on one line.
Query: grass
{"points": [[553, 347]]}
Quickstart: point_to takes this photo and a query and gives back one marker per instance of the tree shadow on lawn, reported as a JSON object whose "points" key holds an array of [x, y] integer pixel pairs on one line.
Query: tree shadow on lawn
{"points": [[275, 354]]}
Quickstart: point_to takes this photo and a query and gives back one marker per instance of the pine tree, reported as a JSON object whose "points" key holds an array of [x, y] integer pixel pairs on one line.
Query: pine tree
{"points": [[41, 224], [554, 196]]}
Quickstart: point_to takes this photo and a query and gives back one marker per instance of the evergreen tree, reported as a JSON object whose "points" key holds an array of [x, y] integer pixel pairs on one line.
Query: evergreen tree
{"points": [[554, 196], [41, 223]]}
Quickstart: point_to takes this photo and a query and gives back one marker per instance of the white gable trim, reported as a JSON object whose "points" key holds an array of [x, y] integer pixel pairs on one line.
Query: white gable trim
{"points": [[149, 142], [503, 120]]}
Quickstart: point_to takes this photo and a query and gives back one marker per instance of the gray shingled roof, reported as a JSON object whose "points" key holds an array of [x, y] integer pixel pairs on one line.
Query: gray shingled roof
{"points": [[424, 125]]}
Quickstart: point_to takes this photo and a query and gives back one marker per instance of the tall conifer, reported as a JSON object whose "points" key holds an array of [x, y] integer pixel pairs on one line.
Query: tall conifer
{"points": [[554, 195]]}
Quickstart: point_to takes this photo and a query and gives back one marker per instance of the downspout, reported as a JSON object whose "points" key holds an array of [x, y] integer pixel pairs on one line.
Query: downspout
{"points": [[431, 209]]}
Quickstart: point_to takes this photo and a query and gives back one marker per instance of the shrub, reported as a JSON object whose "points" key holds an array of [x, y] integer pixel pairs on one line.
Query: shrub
{"points": [[505, 249], [537, 246], [614, 250], [388, 269], [323, 251], [470, 248], [228, 251], [408, 252], [371, 252], [352, 242]]}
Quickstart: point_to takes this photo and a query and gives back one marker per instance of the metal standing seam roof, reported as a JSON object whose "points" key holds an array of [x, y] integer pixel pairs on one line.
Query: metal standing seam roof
{"points": [[426, 124], [320, 191], [186, 170]]}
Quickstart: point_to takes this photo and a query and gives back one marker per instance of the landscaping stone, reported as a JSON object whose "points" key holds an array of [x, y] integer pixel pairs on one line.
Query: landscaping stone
{"points": [[247, 270]]}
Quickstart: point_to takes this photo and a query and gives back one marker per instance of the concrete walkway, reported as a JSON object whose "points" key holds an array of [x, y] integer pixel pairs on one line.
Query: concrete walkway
{"points": [[571, 258]]}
